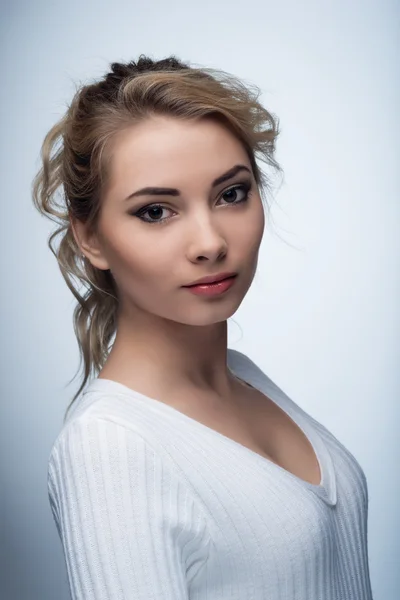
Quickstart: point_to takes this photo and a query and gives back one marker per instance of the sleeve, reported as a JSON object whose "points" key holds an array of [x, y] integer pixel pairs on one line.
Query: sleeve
{"points": [[129, 526]]}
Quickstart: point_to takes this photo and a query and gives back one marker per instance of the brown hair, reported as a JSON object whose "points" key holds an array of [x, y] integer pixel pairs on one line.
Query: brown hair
{"points": [[74, 161]]}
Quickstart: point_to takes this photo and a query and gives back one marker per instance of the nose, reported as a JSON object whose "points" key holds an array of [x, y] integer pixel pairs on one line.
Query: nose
{"points": [[206, 239]]}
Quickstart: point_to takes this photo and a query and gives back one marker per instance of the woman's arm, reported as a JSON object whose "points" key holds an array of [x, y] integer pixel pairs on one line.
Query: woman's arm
{"points": [[127, 522]]}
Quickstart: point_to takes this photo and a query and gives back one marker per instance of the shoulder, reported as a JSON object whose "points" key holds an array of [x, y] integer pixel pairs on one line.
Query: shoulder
{"points": [[241, 364], [235, 357], [96, 420], [96, 433], [247, 369], [102, 446]]}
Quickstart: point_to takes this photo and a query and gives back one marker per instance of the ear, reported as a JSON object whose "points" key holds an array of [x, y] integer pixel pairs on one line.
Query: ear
{"points": [[89, 244]]}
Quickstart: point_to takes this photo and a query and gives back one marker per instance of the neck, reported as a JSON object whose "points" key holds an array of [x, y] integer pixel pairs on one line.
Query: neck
{"points": [[172, 356]]}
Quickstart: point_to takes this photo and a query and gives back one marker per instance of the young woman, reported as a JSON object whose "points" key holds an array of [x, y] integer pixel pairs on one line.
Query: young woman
{"points": [[183, 471]]}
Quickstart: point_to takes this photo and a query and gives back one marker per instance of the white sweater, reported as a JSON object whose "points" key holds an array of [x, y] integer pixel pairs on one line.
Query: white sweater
{"points": [[152, 504]]}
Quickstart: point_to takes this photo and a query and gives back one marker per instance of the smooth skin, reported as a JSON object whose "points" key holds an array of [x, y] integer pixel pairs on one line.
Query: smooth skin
{"points": [[170, 344], [175, 339]]}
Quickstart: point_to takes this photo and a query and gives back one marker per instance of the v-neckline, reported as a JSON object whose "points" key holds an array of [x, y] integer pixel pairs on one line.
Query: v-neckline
{"points": [[326, 489]]}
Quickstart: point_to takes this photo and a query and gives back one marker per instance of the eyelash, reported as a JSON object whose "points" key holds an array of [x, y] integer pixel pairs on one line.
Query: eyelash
{"points": [[245, 186]]}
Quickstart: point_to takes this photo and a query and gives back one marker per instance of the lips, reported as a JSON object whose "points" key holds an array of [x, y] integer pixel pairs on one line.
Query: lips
{"points": [[212, 282], [212, 279], [217, 288]]}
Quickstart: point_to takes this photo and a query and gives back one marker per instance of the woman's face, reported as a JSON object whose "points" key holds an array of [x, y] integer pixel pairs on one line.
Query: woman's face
{"points": [[201, 229]]}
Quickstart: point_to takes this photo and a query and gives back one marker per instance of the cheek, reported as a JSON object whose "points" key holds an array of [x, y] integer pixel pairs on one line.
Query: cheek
{"points": [[144, 264], [251, 233]]}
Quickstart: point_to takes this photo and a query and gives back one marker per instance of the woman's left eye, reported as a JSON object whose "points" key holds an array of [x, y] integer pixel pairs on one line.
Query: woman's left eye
{"points": [[244, 188]]}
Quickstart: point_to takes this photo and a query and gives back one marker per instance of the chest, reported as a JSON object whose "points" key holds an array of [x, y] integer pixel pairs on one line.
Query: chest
{"points": [[259, 424]]}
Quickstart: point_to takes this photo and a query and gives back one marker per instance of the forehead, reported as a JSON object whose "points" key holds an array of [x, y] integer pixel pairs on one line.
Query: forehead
{"points": [[166, 151]]}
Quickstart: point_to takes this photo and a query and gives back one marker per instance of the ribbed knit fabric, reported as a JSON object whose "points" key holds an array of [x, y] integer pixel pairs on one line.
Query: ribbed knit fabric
{"points": [[152, 504]]}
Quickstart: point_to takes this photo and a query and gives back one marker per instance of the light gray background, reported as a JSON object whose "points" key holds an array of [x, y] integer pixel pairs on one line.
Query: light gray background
{"points": [[321, 317]]}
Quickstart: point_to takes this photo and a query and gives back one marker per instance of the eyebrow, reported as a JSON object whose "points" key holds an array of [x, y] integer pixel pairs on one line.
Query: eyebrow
{"points": [[163, 191]]}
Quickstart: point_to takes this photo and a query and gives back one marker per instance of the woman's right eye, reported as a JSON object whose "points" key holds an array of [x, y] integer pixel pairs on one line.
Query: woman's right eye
{"points": [[158, 208]]}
